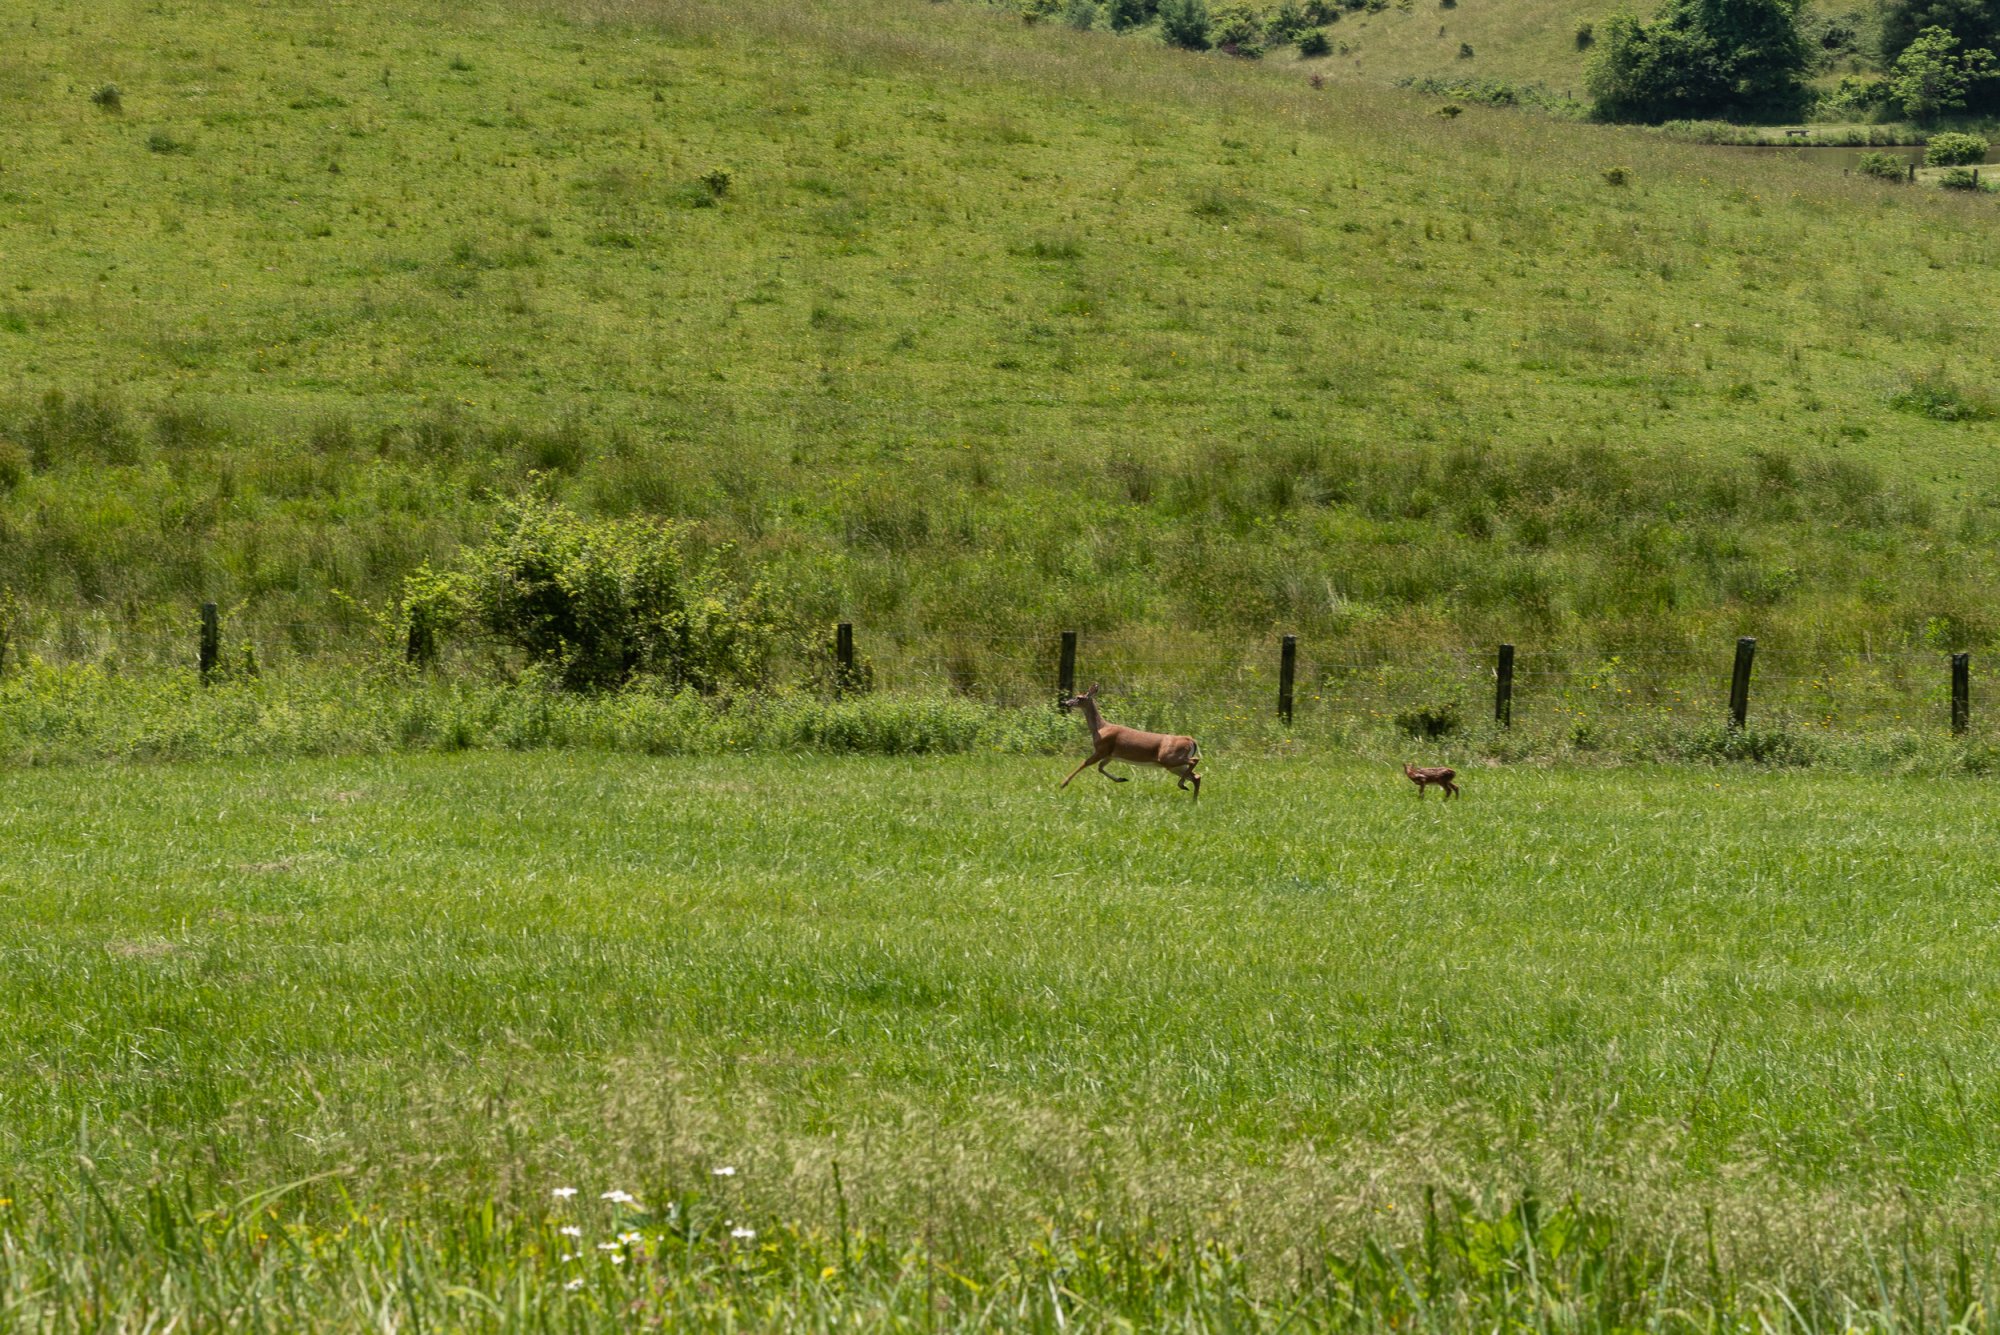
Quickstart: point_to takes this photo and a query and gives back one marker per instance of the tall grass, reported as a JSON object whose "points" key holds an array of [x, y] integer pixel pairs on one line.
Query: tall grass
{"points": [[315, 1042], [1221, 352]]}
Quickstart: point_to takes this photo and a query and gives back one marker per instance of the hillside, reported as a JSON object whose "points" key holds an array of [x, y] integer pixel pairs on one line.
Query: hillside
{"points": [[942, 319], [1520, 42]]}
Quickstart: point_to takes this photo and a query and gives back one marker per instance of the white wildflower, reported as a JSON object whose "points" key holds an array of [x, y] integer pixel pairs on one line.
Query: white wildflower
{"points": [[725, 1171], [572, 1256], [570, 1231], [743, 1234], [608, 1246], [628, 1238], [618, 1198], [574, 1285], [563, 1193]]}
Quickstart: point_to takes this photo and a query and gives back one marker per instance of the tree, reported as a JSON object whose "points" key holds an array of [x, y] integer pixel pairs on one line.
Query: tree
{"points": [[1975, 23], [1185, 23], [1932, 76], [1130, 13], [1696, 58]]}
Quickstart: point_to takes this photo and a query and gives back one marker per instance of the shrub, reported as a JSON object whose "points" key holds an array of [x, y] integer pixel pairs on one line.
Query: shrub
{"points": [[14, 465], [1953, 149], [1885, 165], [1465, 50], [1585, 35], [1451, 111], [160, 141], [1430, 722], [1617, 176], [1855, 98], [1701, 58], [1315, 44], [597, 603], [1935, 395], [1080, 14], [717, 181], [1237, 31], [1288, 23], [1932, 76], [1130, 13], [110, 97], [1958, 178], [1185, 23]]}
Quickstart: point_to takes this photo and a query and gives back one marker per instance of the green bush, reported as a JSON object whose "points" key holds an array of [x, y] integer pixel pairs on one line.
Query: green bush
{"points": [[597, 603], [1958, 178], [110, 97], [1885, 165], [1695, 58], [1315, 44], [1429, 722], [1932, 76], [1935, 395], [1185, 23], [1953, 149], [1130, 13]]}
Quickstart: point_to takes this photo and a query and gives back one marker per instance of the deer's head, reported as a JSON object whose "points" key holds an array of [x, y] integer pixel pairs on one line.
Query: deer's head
{"points": [[1083, 701]]}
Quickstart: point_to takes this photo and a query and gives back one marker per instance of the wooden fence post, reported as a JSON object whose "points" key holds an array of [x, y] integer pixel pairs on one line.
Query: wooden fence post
{"points": [[211, 640], [1503, 688], [843, 657], [1288, 662], [1739, 682], [1961, 693], [1066, 667], [421, 651]]}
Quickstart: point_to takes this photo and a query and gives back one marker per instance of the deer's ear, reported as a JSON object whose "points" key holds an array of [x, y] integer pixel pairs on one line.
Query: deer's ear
{"points": [[1092, 692]]}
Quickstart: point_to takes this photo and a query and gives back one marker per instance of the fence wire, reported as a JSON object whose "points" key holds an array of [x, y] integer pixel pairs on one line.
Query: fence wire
{"points": [[1162, 668]]}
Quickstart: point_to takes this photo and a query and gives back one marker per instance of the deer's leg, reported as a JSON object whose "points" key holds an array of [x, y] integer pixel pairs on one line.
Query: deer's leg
{"points": [[1078, 770], [1115, 778], [1450, 788]]}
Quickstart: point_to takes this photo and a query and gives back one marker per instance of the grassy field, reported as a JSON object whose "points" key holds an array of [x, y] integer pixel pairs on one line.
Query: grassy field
{"points": [[985, 325], [318, 1040], [1521, 42]]}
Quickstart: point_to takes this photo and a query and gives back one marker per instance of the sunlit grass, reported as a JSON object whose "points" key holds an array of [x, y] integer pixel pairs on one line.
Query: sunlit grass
{"points": [[935, 1009], [988, 323]]}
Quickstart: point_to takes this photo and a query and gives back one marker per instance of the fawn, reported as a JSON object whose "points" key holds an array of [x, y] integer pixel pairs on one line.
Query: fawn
{"points": [[1424, 776], [1109, 742]]}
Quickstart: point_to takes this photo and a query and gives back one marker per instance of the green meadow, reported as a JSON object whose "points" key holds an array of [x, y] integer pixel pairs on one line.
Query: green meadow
{"points": [[342, 994], [317, 1041], [950, 325]]}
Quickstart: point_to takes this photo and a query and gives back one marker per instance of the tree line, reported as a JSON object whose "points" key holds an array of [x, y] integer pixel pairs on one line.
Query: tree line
{"points": [[1751, 60]]}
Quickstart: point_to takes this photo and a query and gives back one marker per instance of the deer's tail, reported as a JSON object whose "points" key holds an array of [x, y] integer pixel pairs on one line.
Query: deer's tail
{"points": [[1194, 751]]}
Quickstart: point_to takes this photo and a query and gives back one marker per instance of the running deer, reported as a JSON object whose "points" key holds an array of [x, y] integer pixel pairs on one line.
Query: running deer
{"points": [[1432, 774], [1109, 742]]}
